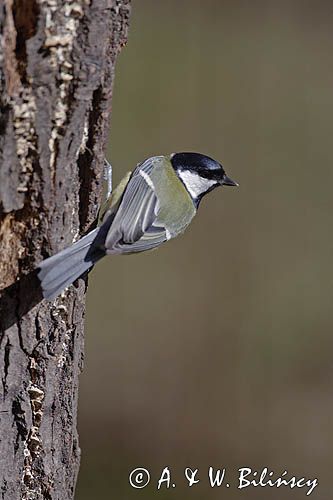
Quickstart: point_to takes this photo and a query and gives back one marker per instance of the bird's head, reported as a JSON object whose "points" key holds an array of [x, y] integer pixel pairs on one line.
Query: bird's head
{"points": [[199, 173]]}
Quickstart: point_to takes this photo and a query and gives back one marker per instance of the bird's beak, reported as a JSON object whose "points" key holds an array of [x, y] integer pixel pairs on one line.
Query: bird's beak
{"points": [[226, 181]]}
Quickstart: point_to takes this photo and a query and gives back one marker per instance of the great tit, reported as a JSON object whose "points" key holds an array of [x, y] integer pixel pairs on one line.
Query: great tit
{"points": [[151, 205]]}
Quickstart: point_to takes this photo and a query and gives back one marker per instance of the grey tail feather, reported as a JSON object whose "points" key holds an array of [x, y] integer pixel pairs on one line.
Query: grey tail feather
{"points": [[61, 270]]}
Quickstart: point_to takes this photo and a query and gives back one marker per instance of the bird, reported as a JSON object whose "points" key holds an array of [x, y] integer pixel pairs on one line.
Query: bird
{"points": [[151, 205]]}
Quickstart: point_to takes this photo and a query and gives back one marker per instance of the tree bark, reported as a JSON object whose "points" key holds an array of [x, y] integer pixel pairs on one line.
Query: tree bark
{"points": [[57, 62]]}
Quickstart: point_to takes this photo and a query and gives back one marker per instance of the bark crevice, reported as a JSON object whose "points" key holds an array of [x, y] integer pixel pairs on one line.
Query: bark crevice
{"points": [[25, 16]]}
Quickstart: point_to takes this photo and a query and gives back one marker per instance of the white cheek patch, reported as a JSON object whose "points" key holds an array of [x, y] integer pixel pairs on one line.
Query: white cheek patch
{"points": [[195, 184]]}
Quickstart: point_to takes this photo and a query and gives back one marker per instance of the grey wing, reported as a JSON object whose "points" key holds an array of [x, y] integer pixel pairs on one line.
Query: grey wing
{"points": [[135, 227]]}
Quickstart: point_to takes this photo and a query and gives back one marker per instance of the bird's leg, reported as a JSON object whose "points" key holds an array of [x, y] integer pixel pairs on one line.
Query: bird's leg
{"points": [[108, 178]]}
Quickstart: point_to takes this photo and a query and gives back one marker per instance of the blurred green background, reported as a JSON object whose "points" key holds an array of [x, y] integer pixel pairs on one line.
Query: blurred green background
{"points": [[217, 348]]}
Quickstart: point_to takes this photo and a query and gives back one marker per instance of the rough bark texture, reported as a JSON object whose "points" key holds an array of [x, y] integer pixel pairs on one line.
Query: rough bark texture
{"points": [[56, 69]]}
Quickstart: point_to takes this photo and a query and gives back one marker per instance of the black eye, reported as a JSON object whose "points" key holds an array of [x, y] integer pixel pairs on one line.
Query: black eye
{"points": [[203, 172], [211, 174]]}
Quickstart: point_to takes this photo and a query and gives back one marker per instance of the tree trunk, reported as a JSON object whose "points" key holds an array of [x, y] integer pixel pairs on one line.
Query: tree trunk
{"points": [[57, 62]]}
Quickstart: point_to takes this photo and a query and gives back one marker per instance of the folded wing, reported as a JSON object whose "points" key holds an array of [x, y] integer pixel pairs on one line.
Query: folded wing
{"points": [[135, 227]]}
